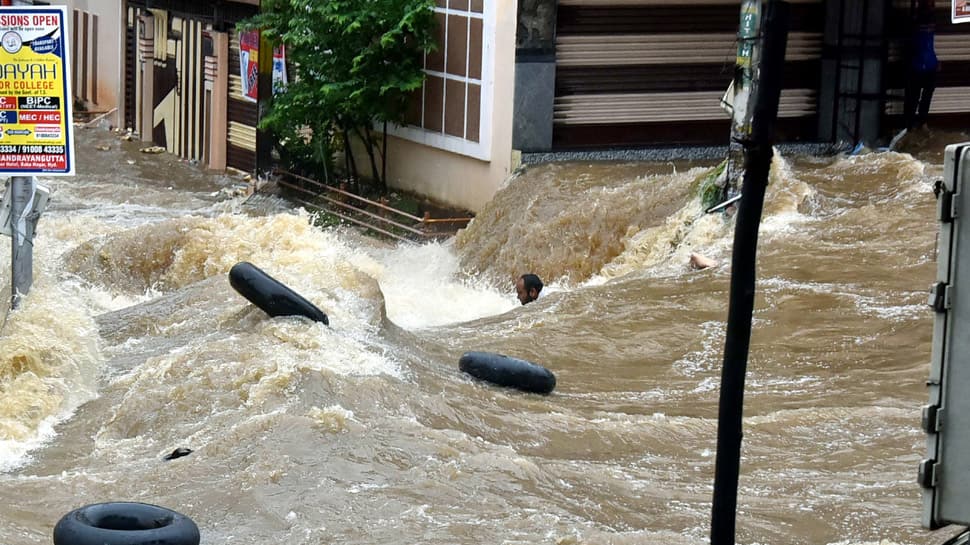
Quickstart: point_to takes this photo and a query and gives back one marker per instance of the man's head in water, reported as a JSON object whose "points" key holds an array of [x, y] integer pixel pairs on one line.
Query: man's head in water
{"points": [[527, 287]]}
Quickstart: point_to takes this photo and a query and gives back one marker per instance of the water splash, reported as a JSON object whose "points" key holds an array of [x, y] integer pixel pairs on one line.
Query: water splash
{"points": [[565, 222], [49, 364], [424, 287]]}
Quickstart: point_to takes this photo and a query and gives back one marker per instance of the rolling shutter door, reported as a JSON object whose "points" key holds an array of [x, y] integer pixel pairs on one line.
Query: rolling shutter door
{"points": [[652, 72]]}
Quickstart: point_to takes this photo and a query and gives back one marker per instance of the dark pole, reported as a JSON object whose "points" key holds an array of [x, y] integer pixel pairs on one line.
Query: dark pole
{"points": [[758, 155], [264, 97]]}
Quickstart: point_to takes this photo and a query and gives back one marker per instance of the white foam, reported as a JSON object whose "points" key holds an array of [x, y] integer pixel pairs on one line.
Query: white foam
{"points": [[422, 288]]}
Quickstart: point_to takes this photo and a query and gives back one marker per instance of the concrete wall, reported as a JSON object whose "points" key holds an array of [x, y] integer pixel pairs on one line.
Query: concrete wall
{"points": [[453, 178], [109, 59]]}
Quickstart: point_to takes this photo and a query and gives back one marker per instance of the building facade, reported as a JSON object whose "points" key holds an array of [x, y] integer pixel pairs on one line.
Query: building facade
{"points": [[631, 73], [516, 76], [457, 146], [183, 88]]}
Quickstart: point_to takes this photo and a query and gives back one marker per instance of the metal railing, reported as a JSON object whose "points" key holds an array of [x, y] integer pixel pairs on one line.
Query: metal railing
{"points": [[358, 215]]}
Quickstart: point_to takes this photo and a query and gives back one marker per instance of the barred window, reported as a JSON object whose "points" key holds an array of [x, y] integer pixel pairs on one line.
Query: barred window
{"points": [[447, 112]]}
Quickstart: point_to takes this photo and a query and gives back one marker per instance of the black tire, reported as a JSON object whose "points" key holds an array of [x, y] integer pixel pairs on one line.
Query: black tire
{"points": [[506, 371], [125, 523], [271, 295]]}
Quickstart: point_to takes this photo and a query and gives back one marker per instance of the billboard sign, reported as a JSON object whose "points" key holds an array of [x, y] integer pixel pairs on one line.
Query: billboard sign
{"points": [[36, 127]]}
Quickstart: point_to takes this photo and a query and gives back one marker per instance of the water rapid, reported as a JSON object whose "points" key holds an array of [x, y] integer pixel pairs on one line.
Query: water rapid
{"points": [[131, 343]]}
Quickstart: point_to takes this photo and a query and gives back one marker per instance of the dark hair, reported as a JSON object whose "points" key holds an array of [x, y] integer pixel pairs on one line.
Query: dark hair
{"points": [[530, 281]]}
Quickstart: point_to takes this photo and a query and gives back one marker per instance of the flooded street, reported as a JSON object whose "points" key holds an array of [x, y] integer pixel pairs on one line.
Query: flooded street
{"points": [[131, 343]]}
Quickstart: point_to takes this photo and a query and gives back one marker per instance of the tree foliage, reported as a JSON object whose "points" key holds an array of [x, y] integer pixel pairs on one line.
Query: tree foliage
{"points": [[357, 64]]}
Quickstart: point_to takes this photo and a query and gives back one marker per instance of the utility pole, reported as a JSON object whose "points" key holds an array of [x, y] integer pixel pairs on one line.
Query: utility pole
{"points": [[758, 153], [743, 92], [22, 190]]}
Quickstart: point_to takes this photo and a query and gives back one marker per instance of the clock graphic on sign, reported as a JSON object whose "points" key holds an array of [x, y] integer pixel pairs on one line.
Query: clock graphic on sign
{"points": [[11, 42]]}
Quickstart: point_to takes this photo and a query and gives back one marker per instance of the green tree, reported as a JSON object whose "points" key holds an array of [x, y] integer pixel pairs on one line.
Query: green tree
{"points": [[357, 62]]}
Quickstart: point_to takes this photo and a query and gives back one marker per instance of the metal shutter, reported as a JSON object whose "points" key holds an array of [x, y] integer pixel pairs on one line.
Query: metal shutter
{"points": [[652, 72]]}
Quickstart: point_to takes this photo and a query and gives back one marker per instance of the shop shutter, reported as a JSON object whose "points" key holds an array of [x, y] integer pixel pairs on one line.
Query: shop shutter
{"points": [[652, 72]]}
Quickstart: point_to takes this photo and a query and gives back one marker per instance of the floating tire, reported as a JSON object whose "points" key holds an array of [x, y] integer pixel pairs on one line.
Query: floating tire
{"points": [[125, 523], [507, 371], [270, 294]]}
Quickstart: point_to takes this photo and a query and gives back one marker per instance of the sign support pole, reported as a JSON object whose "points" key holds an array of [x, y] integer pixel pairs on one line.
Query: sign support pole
{"points": [[21, 238], [745, 91], [757, 165]]}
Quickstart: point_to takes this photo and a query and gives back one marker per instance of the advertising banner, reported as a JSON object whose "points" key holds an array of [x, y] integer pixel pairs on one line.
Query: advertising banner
{"points": [[961, 11], [36, 127], [249, 65], [279, 69]]}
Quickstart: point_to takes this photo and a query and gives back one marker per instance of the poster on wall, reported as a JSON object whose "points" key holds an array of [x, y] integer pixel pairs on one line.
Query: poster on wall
{"points": [[249, 65], [961, 11], [36, 128], [279, 69]]}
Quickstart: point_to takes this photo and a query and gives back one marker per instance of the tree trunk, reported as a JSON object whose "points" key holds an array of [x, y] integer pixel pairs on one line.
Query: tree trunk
{"points": [[369, 145], [351, 165]]}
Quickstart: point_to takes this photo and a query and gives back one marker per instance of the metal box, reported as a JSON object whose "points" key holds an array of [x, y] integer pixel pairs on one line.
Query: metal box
{"points": [[945, 472]]}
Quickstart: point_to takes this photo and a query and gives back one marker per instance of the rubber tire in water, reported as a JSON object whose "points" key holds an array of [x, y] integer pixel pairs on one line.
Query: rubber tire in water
{"points": [[125, 523], [507, 371], [271, 295]]}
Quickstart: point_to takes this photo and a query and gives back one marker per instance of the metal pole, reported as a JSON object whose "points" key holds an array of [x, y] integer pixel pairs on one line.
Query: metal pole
{"points": [[743, 275], [21, 237], [745, 89]]}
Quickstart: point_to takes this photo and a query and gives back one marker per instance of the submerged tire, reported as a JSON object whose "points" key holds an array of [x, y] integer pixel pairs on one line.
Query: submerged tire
{"points": [[125, 523], [506, 371], [270, 294]]}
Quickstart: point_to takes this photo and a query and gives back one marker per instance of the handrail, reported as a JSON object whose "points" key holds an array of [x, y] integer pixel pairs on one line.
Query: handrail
{"points": [[349, 194], [354, 208], [361, 223], [426, 220]]}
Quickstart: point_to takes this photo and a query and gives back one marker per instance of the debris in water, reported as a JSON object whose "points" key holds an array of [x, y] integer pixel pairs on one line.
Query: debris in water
{"points": [[178, 453]]}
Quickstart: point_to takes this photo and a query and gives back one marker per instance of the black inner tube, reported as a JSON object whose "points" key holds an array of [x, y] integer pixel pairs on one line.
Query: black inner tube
{"points": [[270, 294], [507, 371], [125, 523]]}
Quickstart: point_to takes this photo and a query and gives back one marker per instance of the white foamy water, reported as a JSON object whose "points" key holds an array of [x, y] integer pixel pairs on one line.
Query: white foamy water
{"points": [[424, 287]]}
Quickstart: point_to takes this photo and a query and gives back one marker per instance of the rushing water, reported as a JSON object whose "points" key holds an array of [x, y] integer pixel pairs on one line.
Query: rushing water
{"points": [[131, 343]]}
